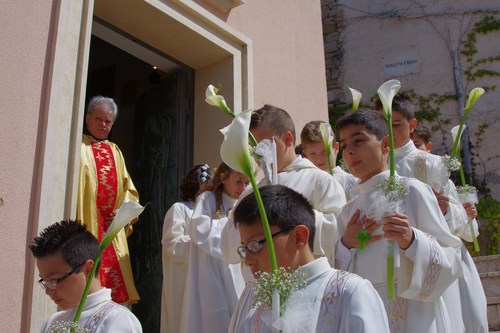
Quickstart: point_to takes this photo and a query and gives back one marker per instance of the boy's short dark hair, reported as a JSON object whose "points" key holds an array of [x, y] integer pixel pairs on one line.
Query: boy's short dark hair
{"points": [[423, 132], [275, 118], [373, 121], [68, 237], [284, 208], [311, 132], [402, 103]]}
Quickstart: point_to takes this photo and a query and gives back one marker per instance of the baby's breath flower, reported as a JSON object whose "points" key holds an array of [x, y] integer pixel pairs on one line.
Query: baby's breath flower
{"points": [[67, 327], [452, 163], [285, 282], [467, 193], [466, 189], [394, 188]]}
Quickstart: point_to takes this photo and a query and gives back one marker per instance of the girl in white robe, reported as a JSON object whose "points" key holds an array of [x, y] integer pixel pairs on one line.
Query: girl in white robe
{"points": [[176, 245], [212, 287]]}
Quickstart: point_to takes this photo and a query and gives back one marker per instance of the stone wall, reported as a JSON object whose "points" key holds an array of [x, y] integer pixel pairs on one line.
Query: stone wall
{"points": [[333, 26]]}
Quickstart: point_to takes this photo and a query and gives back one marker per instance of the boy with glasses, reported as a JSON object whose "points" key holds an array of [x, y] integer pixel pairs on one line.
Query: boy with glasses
{"points": [[331, 301], [64, 254]]}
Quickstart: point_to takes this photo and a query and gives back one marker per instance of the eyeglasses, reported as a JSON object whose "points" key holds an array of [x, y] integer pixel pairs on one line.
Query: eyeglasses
{"points": [[52, 284], [256, 245]]}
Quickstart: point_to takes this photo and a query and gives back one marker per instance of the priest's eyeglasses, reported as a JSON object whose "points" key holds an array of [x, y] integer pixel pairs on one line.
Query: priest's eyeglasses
{"points": [[255, 246], [52, 284]]}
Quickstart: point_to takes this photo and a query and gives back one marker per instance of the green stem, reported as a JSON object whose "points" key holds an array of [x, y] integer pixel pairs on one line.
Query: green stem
{"points": [[390, 271], [265, 224], [390, 243], [455, 151], [87, 288], [474, 236], [392, 163], [329, 163]]}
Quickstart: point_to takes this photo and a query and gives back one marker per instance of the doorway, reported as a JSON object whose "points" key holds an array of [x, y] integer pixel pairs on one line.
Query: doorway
{"points": [[154, 131]]}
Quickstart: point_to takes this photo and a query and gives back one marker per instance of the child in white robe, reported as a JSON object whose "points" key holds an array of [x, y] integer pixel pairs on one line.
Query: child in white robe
{"points": [[64, 254], [428, 259], [324, 192], [313, 148], [429, 168], [213, 286], [331, 300], [176, 245]]}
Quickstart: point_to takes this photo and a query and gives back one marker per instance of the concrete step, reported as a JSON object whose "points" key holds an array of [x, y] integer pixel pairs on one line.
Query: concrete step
{"points": [[489, 271]]}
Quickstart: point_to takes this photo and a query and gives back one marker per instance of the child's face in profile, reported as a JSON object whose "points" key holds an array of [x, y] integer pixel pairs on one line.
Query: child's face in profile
{"points": [[316, 153], [402, 129], [68, 292], [259, 262], [419, 142], [363, 153], [234, 184]]}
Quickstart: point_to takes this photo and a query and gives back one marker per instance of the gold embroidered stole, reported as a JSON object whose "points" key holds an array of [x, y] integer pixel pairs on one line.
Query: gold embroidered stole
{"points": [[330, 311]]}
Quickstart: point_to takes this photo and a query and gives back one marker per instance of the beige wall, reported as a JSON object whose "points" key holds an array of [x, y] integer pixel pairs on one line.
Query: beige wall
{"points": [[45, 53], [289, 65], [370, 39], [22, 70]]}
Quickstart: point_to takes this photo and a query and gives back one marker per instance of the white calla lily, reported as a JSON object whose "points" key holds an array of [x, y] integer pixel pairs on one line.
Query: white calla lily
{"points": [[454, 133], [386, 93], [474, 95], [234, 150], [128, 211], [213, 99], [328, 137], [356, 98]]}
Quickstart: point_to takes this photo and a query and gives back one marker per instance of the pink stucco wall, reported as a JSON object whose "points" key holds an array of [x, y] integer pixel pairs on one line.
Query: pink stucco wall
{"points": [[23, 44], [288, 57]]}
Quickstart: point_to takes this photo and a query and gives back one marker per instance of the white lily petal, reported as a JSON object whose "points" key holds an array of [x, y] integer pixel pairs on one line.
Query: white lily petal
{"points": [[128, 211], [211, 91], [214, 100], [386, 93], [234, 150], [356, 98], [327, 134], [474, 95], [454, 132], [225, 129]]}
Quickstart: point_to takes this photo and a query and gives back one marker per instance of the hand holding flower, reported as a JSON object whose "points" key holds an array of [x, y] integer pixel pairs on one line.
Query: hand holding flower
{"points": [[443, 201], [470, 209], [353, 228], [398, 228]]}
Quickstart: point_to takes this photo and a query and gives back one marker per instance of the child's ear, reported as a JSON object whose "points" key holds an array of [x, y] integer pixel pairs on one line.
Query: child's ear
{"points": [[301, 236], [413, 124], [87, 267], [386, 144], [429, 146], [288, 139]]}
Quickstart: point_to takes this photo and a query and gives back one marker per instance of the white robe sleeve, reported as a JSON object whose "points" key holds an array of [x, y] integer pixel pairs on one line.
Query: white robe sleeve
{"points": [[230, 236], [205, 231], [175, 241], [456, 216]]}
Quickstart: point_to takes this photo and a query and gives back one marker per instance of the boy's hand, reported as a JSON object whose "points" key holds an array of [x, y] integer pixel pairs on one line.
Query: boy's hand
{"points": [[471, 210], [354, 226], [398, 228], [443, 201]]}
